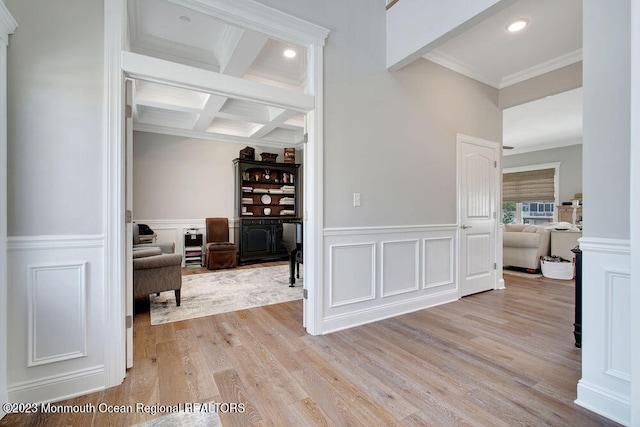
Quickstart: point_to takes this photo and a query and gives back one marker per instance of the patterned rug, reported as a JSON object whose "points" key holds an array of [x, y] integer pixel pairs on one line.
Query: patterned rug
{"points": [[224, 291], [196, 415]]}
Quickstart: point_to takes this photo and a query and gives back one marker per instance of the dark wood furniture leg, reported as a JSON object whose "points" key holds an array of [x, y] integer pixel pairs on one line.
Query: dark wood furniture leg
{"points": [[292, 266], [177, 292]]}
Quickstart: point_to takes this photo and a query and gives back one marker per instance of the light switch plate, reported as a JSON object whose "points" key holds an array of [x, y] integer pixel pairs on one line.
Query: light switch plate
{"points": [[357, 199]]}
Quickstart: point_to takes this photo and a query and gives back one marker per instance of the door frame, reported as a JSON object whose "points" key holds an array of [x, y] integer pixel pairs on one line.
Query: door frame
{"points": [[7, 26], [248, 15], [497, 253]]}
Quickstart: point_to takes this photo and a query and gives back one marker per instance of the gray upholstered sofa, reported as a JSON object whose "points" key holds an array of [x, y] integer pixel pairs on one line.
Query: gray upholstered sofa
{"points": [[155, 272], [523, 245]]}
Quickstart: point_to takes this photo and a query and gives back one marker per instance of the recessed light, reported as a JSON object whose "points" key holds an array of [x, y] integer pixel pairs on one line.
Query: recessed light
{"points": [[290, 53], [185, 19], [517, 25]]}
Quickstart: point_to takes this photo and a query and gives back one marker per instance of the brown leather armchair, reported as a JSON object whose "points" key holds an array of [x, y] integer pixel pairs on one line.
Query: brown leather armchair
{"points": [[219, 252]]}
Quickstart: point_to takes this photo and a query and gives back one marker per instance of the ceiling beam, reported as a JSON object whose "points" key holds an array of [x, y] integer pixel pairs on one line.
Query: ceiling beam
{"points": [[211, 110], [241, 54], [214, 136], [173, 74], [275, 122]]}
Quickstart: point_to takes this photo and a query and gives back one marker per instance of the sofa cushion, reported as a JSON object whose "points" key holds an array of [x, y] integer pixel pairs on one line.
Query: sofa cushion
{"points": [[516, 239], [157, 261], [145, 252]]}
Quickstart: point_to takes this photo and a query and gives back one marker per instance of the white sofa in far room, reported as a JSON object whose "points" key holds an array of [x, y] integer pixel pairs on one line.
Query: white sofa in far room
{"points": [[523, 245]]}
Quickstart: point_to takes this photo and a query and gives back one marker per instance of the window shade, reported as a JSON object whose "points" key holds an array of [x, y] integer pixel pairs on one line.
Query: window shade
{"points": [[529, 186]]}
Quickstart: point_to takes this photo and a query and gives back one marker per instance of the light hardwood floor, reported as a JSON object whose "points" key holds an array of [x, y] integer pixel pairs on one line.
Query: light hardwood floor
{"points": [[498, 358]]}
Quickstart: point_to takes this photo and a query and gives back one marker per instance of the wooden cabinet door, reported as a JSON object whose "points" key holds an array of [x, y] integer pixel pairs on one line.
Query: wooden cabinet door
{"points": [[256, 240], [278, 247]]}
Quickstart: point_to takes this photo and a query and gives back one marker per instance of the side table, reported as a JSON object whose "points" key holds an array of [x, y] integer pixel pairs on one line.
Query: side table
{"points": [[563, 241]]}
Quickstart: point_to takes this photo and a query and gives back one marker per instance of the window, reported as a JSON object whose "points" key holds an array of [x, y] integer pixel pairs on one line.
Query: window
{"points": [[529, 194]]}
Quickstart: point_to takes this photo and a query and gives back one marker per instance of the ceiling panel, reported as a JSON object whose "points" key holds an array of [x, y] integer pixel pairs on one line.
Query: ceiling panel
{"points": [[166, 30], [486, 52], [489, 53]]}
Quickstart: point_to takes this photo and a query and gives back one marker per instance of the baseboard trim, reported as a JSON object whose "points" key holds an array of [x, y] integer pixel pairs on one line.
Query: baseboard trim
{"points": [[596, 400], [374, 314], [59, 387]]}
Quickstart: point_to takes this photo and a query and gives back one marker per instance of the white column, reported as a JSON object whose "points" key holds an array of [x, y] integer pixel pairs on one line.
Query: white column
{"points": [[635, 207], [7, 26]]}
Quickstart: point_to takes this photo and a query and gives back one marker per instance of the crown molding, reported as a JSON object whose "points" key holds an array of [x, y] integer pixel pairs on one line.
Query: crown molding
{"points": [[7, 24], [261, 18], [459, 67], [545, 67]]}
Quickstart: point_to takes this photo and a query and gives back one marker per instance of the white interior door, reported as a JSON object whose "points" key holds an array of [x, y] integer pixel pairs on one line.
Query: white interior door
{"points": [[129, 216], [478, 195]]}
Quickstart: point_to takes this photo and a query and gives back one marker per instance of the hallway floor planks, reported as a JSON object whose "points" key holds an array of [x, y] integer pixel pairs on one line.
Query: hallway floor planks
{"points": [[498, 358]]}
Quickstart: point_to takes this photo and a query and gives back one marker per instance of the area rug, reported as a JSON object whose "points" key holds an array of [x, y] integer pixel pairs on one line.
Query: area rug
{"points": [[196, 415], [223, 291]]}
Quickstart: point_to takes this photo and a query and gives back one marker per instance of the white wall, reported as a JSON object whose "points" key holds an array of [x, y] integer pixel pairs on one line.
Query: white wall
{"points": [[606, 98], [178, 182], [7, 26], [55, 192], [635, 207], [55, 126], [548, 84], [180, 178], [570, 159], [176, 178], [390, 136], [607, 305]]}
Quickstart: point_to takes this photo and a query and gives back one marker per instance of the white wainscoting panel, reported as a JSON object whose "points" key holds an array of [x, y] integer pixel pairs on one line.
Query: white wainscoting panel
{"points": [[618, 316], [439, 256], [379, 272], [57, 300], [605, 386], [353, 273], [55, 305], [400, 267]]}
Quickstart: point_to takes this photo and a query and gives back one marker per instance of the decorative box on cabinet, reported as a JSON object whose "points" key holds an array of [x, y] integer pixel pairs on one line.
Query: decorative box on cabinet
{"points": [[193, 249], [267, 195]]}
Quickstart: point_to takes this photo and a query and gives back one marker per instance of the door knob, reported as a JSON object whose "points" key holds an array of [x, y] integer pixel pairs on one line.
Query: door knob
{"points": [[465, 226]]}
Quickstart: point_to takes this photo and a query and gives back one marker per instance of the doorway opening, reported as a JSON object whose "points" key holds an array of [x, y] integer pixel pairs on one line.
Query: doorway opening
{"points": [[223, 98]]}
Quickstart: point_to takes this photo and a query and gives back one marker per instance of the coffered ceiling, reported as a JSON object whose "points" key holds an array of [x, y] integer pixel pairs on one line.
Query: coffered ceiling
{"points": [[171, 32]]}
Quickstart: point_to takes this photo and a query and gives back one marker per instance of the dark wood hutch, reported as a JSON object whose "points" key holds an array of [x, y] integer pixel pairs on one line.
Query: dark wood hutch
{"points": [[267, 195]]}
